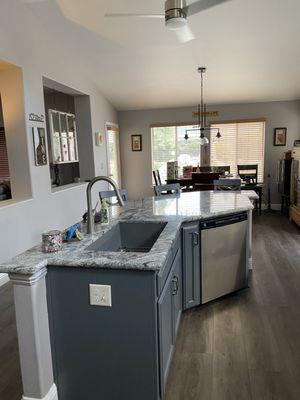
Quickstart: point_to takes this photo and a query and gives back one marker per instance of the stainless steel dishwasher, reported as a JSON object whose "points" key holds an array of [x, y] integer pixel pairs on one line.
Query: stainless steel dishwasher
{"points": [[223, 256]]}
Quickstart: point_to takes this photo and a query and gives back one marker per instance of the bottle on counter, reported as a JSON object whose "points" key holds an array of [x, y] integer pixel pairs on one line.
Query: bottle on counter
{"points": [[198, 168], [104, 213]]}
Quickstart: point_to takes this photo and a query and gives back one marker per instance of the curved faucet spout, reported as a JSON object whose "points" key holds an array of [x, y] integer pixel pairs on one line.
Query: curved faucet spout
{"points": [[90, 216]]}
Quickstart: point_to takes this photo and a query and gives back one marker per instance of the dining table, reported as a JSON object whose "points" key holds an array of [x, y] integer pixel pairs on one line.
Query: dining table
{"points": [[187, 182]]}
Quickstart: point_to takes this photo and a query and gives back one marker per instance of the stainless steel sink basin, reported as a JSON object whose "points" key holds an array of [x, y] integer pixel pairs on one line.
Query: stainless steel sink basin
{"points": [[129, 237]]}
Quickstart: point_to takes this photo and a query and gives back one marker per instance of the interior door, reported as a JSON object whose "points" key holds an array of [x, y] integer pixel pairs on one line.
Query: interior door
{"points": [[113, 153]]}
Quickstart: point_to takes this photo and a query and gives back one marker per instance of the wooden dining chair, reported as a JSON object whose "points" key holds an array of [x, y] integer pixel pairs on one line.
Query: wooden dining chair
{"points": [[248, 173], [172, 188], [204, 180], [156, 176], [227, 185]]}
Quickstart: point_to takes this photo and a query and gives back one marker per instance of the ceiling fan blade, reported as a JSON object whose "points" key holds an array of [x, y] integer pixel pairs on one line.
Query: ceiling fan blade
{"points": [[185, 34], [202, 5], [135, 15], [33, 1]]}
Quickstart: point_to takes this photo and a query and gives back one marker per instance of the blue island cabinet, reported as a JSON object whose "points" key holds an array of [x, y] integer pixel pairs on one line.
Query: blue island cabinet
{"points": [[117, 352]]}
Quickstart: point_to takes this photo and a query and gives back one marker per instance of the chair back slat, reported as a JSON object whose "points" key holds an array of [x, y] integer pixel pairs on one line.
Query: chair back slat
{"points": [[227, 185], [248, 173], [156, 176]]}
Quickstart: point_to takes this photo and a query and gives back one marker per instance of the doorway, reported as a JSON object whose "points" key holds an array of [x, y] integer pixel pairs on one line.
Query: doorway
{"points": [[113, 152]]}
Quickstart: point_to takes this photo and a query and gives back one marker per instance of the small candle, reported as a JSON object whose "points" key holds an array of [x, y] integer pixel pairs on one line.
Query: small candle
{"points": [[52, 241]]}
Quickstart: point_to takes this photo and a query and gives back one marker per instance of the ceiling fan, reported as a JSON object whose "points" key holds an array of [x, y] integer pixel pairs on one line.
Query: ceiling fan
{"points": [[176, 15]]}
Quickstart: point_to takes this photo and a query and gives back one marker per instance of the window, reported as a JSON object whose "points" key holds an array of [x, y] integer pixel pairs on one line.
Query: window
{"points": [[168, 144], [241, 143], [113, 151]]}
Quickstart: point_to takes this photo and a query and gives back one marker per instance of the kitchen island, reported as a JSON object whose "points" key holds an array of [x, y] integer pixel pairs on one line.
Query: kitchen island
{"points": [[123, 350]]}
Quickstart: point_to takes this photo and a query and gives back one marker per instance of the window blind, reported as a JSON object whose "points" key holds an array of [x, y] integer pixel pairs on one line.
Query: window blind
{"points": [[168, 144], [4, 168], [241, 143]]}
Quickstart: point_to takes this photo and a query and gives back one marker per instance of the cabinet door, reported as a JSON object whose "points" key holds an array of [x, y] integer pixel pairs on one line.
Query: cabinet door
{"points": [[191, 265], [165, 312], [177, 293]]}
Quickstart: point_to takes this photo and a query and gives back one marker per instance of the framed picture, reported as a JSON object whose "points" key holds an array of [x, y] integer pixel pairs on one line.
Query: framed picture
{"points": [[39, 146], [280, 137], [136, 142]]}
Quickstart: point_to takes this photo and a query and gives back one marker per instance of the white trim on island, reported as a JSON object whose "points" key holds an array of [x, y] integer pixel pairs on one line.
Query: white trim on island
{"points": [[51, 395], [34, 336], [3, 279]]}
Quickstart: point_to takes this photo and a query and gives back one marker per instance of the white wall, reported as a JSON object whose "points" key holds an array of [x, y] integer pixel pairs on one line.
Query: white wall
{"points": [[136, 166], [12, 95], [25, 42]]}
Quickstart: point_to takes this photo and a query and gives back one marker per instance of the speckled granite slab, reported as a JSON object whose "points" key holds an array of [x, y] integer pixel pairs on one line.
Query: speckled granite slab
{"points": [[171, 209]]}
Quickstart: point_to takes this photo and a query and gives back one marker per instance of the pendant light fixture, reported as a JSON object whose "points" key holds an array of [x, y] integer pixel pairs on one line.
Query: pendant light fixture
{"points": [[202, 127]]}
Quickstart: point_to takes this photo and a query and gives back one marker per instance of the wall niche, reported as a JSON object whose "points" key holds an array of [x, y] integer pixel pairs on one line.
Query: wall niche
{"points": [[62, 137], [69, 134]]}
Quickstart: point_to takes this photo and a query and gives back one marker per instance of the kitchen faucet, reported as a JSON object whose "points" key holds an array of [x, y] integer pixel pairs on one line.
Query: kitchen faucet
{"points": [[90, 215]]}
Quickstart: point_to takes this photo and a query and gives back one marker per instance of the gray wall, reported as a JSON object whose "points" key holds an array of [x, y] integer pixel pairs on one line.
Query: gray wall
{"points": [[25, 220], [136, 166]]}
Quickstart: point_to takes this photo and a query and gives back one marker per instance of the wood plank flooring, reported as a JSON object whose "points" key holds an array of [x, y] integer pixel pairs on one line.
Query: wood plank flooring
{"points": [[10, 375], [245, 346]]}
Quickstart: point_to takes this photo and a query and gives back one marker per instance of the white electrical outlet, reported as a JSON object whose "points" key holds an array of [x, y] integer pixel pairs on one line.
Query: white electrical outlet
{"points": [[100, 295]]}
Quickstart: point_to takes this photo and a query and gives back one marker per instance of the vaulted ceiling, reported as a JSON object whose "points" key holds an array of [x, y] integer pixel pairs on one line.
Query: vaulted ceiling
{"points": [[251, 50]]}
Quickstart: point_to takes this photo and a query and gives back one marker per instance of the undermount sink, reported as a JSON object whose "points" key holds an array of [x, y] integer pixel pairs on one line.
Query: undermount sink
{"points": [[129, 237]]}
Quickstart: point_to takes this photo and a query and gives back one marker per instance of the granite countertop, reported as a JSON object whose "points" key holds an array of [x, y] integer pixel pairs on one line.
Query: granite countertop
{"points": [[173, 209]]}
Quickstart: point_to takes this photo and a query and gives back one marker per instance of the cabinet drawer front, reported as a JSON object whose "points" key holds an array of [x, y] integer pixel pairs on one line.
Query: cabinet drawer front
{"points": [[191, 265]]}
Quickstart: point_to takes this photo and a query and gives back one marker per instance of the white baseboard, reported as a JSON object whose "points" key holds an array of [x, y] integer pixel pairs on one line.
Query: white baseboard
{"points": [[3, 279], [51, 395]]}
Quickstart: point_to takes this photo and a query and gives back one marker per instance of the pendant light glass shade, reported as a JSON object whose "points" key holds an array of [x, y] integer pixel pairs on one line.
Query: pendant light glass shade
{"points": [[202, 141]]}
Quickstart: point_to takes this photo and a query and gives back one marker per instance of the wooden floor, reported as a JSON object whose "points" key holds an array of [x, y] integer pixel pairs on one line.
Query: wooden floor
{"points": [[10, 375], [245, 346]]}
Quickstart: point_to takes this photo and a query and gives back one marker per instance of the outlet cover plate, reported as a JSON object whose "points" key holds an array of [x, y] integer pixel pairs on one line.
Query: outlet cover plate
{"points": [[100, 295]]}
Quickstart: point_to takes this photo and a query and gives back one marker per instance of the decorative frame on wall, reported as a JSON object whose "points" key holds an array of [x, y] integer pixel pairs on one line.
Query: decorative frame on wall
{"points": [[39, 146], [136, 143], [280, 136], [63, 135]]}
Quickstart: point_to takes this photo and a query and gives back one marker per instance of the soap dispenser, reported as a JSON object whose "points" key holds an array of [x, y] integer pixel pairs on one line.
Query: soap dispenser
{"points": [[104, 213]]}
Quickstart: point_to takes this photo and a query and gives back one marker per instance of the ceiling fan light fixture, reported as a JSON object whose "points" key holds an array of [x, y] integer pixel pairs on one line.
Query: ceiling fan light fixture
{"points": [[175, 14], [173, 24]]}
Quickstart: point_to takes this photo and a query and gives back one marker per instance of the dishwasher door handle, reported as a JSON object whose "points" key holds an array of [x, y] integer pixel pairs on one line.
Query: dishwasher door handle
{"points": [[223, 221]]}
